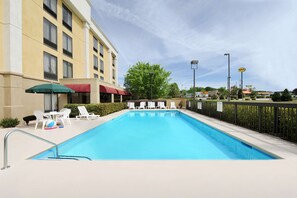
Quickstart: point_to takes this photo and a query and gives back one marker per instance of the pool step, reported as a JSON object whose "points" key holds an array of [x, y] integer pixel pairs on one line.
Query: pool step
{"points": [[70, 157]]}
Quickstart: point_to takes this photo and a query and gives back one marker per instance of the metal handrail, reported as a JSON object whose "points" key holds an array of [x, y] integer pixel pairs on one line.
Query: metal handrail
{"points": [[5, 152]]}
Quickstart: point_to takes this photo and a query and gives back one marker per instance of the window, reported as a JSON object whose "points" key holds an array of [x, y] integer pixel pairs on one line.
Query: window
{"points": [[113, 61], [49, 33], [50, 66], [95, 44], [95, 75], [67, 45], [101, 50], [113, 74], [95, 60], [101, 78], [67, 70], [50, 102], [67, 18], [79, 98], [51, 7], [101, 66]]}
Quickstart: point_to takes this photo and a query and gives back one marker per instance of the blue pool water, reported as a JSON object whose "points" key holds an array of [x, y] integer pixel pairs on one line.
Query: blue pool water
{"points": [[149, 135]]}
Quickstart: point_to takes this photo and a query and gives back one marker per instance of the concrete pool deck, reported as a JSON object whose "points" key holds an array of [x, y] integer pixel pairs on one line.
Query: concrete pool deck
{"points": [[145, 178]]}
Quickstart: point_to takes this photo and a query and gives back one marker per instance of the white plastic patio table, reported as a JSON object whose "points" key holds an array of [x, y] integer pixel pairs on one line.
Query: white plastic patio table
{"points": [[53, 114]]}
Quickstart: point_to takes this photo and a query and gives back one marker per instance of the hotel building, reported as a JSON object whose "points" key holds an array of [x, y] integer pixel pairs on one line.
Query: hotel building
{"points": [[53, 41]]}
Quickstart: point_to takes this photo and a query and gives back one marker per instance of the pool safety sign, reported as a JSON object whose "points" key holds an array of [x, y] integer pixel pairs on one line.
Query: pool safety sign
{"points": [[199, 105], [220, 106]]}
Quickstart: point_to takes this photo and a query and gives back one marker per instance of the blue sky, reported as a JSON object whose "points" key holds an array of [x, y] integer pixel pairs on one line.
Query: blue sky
{"points": [[260, 35]]}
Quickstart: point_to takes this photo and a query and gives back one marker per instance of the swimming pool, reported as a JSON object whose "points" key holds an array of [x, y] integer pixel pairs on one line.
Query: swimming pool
{"points": [[156, 135]]}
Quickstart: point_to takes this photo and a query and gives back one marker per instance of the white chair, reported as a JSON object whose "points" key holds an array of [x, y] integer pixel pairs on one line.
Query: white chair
{"points": [[64, 117], [158, 105], [162, 105], [172, 105], [83, 113], [63, 109], [131, 105], [142, 105], [40, 118], [151, 105]]}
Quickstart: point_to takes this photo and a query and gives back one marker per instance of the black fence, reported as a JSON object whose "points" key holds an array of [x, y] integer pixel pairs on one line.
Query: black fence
{"points": [[277, 119]]}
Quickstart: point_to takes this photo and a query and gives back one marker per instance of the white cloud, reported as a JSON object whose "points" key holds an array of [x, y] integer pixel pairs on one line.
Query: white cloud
{"points": [[260, 35]]}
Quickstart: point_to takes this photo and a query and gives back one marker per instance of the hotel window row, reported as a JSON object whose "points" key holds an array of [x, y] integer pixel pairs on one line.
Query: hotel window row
{"points": [[50, 38], [50, 66], [51, 7], [96, 59]]}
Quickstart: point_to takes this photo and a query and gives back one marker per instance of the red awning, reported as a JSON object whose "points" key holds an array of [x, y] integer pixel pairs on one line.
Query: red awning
{"points": [[82, 88], [106, 89], [121, 92]]}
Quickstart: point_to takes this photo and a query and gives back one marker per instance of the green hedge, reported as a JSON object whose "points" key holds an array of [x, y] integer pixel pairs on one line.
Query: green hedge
{"points": [[9, 122], [101, 109], [275, 119]]}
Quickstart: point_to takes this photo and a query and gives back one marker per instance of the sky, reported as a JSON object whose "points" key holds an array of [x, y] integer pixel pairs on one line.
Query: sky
{"points": [[260, 35]]}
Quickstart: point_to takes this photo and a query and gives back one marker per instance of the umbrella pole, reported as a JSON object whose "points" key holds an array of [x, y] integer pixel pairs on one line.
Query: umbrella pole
{"points": [[52, 101]]}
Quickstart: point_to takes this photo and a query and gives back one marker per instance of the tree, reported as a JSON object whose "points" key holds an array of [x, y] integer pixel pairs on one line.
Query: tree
{"points": [[209, 89], [275, 97], [144, 80], [222, 93], [254, 94], [234, 92], [286, 96], [295, 91], [173, 90], [240, 94]]}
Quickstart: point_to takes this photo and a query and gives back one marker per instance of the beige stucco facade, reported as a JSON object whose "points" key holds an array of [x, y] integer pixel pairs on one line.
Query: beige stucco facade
{"points": [[22, 53]]}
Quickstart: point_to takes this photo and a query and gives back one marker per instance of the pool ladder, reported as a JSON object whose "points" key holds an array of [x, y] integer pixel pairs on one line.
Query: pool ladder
{"points": [[5, 152]]}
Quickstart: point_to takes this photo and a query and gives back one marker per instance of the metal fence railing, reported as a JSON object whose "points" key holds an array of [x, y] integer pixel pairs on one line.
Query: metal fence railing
{"points": [[277, 119]]}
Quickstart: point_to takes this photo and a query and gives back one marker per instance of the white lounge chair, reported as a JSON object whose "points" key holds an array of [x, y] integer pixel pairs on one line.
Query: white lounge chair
{"points": [[40, 118], [162, 105], [83, 113], [64, 117], [151, 105], [131, 105], [142, 105], [172, 105]]}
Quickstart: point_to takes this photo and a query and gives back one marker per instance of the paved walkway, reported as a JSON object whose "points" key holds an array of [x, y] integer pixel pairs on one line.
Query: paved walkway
{"points": [[147, 178]]}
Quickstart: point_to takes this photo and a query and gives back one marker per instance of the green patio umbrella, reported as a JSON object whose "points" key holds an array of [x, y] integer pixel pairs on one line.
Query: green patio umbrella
{"points": [[50, 88]]}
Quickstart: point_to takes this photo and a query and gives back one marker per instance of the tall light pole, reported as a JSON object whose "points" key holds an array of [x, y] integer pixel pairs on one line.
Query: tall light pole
{"points": [[241, 70], [194, 66], [229, 77]]}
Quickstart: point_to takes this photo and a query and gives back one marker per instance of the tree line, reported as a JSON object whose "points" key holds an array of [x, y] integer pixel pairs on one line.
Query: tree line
{"points": [[151, 81]]}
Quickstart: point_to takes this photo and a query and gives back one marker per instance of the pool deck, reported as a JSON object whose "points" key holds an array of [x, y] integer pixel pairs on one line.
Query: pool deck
{"points": [[145, 178]]}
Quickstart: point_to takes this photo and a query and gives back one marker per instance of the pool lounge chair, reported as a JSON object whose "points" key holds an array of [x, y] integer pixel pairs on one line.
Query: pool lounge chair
{"points": [[172, 105], [142, 105], [162, 105], [83, 113], [151, 105], [131, 105]]}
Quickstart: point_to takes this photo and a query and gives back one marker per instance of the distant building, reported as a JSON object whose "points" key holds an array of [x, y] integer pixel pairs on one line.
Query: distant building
{"points": [[201, 94], [264, 94], [246, 92], [213, 94]]}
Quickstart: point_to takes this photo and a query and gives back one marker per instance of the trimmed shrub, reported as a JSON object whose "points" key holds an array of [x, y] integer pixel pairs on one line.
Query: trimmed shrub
{"points": [[101, 109], [286, 96], [240, 94], [9, 122], [276, 97]]}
